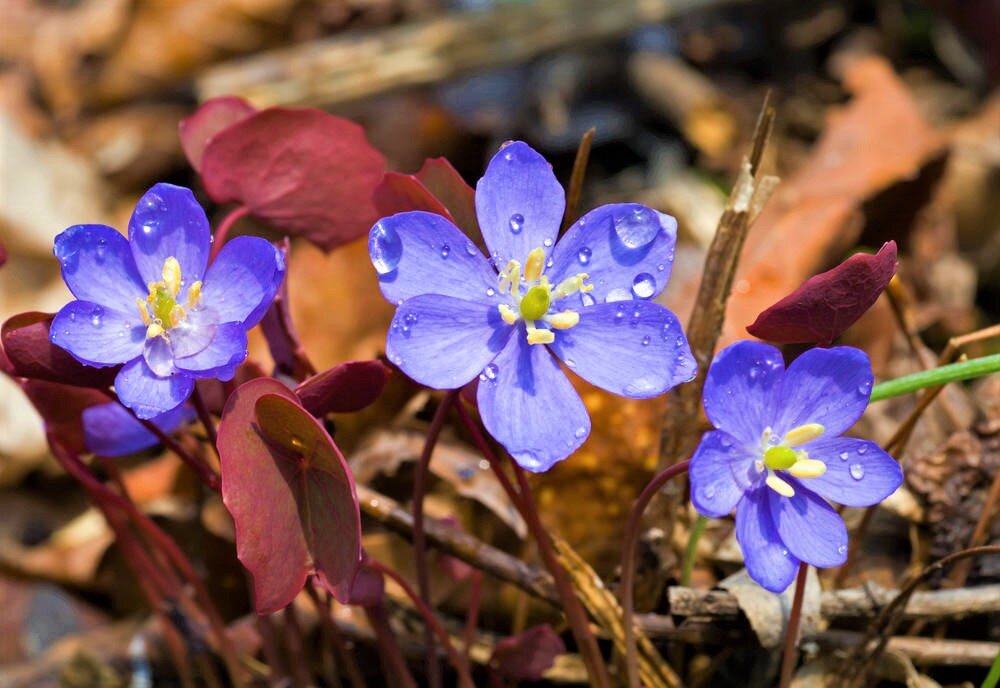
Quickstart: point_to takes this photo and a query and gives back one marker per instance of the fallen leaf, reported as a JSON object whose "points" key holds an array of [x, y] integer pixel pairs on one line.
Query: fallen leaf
{"points": [[345, 388], [290, 493], [825, 305], [26, 342], [526, 656], [213, 116]]}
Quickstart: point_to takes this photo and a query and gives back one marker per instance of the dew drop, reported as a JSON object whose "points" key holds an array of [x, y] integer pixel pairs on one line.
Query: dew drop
{"points": [[547, 242], [636, 315], [857, 471], [842, 549], [445, 251], [385, 248], [570, 363], [661, 267], [864, 388], [490, 373], [646, 340], [516, 223], [97, 316], [584, 255], [72, 315], [774, 440], [679, 342], [470, 248], [490, 291], [644, 285], [725, 441], [620, 312], [637, 227], [708, 492], [580, 432], [843, 456], [617, 295], [862, 449], [549, 262], [587, 299]]}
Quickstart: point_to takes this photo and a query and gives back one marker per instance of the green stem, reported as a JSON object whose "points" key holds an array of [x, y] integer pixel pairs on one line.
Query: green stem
{"points": [[697, 528], [965, 370], [994, 676]]}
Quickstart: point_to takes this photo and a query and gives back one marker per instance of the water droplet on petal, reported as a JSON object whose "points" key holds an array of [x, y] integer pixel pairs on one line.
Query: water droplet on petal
{"points": [[842, 549], [661, 267], [97, 316], [385, 248], [470, 248], [620, 312], [445, 251], [570, 363], [516, 223], [679, 342], [637, 227], [725, 441], [644, 285], [547, 242], [580, 432], [490, 291], [862, 449], [587, 299], [843, 456], [864, 388], [857, 471], [708, 492], [646, 340], [490, 373], [617, 295], [584, 255]]}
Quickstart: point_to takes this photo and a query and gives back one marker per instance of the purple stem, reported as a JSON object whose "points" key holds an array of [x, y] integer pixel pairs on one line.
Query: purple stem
{"points": [[223, 230], [792, 630]]}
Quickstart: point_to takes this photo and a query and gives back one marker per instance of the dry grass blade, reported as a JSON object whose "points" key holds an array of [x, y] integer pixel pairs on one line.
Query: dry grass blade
{"points": [[575, 187]]}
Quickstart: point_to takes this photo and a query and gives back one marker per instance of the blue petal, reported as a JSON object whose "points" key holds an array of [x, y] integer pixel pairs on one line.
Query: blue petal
{"points": [[194, 333], [168, 222], [110, 430], [149, 395], [637, 350], [721, 472], [159, 356], [97, 266], [444, 342], [808, 526], [98, 336], [529, 406], [739, 389], [767, 559], [221, 357], [826, 386], [519, 203], [858, 472], [418, 253], [241, 282], [626, 249]]}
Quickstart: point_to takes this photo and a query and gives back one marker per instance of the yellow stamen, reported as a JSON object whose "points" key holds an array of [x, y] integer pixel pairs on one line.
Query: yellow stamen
{"points": [[564, 320], [194, 294], [510, 278], [808, 468], [172, 275], [507, 313], [176, 315], [533, 267], [780, 486], [540, 336], [802, 434], [143, 311], [154, 330], [571, 285]]}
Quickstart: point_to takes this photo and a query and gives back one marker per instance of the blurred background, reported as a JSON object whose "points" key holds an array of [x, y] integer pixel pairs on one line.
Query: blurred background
{"points": [[888, 127]]}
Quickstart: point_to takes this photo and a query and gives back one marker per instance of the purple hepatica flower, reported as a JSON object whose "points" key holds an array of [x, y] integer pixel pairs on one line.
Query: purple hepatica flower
{"points": [[585, 299], [149, 304], [777, 455], [110, 430]]}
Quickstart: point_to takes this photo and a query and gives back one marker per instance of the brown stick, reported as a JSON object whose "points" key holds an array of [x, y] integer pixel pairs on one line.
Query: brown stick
{"points": [[791, 653], [575, 188]]}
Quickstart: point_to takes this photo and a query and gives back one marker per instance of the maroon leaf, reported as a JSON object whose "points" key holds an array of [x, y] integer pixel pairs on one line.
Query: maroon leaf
{"points": [[26, 343], [290, 493], [436, 188], [400, 193], [827, 304], [3, 255], [368, 588], [528, 655], [61, 407], [345, 388], [208, 120], [213, 391], [303, 171]]}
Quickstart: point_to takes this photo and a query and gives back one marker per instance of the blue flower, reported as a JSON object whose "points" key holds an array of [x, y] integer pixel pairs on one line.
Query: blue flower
{"points": [[777, 455], [110, 430], [585, 299], [148, 303]]}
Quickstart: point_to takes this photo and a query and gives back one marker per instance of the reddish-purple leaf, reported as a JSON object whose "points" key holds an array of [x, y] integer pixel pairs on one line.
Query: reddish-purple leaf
{"points": [[368, 588], [528, 655], [213, 391], [3, 255], [345, 388], [827, 304], [61, 407], [26, 342], [303, 171], [436, 188], [290, 493], [400, 193], [208, 120]]}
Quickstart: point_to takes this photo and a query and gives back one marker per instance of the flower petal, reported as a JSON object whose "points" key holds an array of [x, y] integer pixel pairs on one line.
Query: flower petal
{"points": [[96, 335], [149, 395], [168, 222], [626, 249], [110, 430], [826, 386], [519, 203], [97, 266], [767, 559], [739, 389], [221, 357], [241, 282], [808, 526], [529, 406], [443, 342], [636, 349], [721, 472], [423, 253], [194, 333], [858, 472]]}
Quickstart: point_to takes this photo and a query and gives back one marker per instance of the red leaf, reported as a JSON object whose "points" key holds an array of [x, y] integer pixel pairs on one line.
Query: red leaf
{"points": [[345, 388], [61, 407], [290, 493], [368, 588], [303, 171], [3, 255], [400, 193], [436, 188], [827, 304], [528, 655], [26, 342], [208, 120]]}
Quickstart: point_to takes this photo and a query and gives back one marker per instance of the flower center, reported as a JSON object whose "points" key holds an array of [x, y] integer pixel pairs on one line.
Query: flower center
{"points": [[778, 454], [159, 310], [533, 296]]}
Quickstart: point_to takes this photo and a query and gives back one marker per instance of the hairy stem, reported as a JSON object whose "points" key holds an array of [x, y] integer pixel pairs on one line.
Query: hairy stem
{"points": [[954, 372], [792, 630]]}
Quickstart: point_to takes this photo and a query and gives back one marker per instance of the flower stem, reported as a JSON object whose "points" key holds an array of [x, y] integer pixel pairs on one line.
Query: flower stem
{"points": [[993, 677], [954, 372], [792, 630], [419, 537], [628, 564], [206, 418], [223, 230], [691, 551]]}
